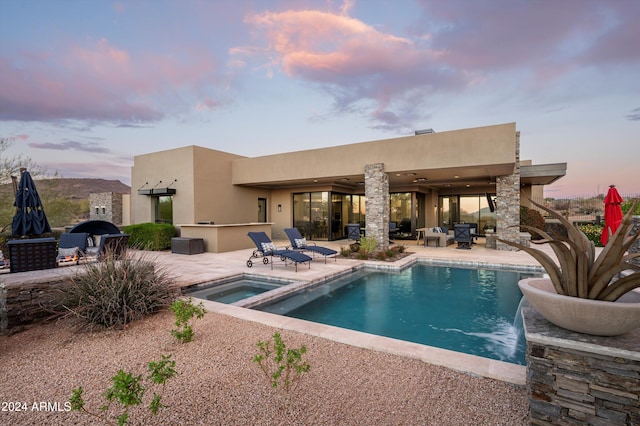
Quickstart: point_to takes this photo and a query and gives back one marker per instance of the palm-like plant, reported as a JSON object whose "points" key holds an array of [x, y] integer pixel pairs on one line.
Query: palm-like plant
{"points": [[579, 273]]}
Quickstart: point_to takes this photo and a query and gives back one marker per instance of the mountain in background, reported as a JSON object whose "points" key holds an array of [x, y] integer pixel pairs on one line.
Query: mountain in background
{"points": [[66, 200], [72, 188]]}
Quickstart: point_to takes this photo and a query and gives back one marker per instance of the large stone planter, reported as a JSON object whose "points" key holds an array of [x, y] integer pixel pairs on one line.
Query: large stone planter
{"points": [[583, 315]]}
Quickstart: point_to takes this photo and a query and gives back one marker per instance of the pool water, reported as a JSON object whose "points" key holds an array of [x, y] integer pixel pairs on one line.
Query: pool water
{"points": [[234, 291], [466, 310]]}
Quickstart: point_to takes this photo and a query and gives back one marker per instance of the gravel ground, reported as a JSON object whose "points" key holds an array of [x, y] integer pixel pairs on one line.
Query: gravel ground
{"points": [[217, 383]]}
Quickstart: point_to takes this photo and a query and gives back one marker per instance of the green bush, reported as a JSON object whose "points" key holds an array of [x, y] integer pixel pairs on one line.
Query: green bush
{"points": [[114, 292], [593, 232], [626, 206], [150, 236], [533, 218]]}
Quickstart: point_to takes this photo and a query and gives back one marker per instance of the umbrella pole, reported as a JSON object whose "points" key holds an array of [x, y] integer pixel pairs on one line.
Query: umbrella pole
{"points": [[14, 180]]}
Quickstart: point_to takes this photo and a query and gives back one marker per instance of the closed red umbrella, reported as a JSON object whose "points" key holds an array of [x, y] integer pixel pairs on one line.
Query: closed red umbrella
{"points": [[612, 214]]}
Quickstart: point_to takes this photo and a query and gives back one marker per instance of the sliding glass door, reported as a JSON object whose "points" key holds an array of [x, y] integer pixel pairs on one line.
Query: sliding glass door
{"points": [[466, 209], [311, 214]]}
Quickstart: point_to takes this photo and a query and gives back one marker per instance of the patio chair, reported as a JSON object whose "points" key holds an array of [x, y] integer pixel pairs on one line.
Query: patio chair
{"points": [[71, 247], [299, 243], [114, 245], [393, 230], [353, 231], [462, 235], [267, 249]]}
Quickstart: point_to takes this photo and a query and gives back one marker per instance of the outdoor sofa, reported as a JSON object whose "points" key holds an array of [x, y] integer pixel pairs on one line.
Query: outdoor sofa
{"points": [[445, 238]]}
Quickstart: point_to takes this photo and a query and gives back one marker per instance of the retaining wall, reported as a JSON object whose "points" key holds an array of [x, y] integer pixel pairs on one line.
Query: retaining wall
{"points": [[25, 296], [577, 379]]}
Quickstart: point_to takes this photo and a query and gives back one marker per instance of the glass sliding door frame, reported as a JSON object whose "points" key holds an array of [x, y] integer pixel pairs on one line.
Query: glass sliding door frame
{"points": [[468, 208]]}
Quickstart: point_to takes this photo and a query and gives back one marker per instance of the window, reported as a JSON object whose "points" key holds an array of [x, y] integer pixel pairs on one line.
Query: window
{"points": [[164, 209]]}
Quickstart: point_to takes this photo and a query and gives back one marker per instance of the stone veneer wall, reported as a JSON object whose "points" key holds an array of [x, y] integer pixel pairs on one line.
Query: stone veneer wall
{"points": [[508, 204], [109, 207], [576, 379], [376, 187], [25, 297]]}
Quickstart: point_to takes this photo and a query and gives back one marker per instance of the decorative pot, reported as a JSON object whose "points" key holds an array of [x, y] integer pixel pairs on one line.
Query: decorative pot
{"points": [[587, 316]]}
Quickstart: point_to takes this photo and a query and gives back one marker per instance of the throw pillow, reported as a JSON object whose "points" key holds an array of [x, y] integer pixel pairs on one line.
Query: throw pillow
{"points": [[268, 248], [300, 242]]}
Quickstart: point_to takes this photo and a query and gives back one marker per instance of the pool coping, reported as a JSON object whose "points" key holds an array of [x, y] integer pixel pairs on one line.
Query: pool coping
{"points": [[458, 361], [469, 364]]}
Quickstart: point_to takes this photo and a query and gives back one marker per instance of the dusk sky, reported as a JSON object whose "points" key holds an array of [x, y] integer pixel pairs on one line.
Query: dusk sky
{"points": [[87, 85]]}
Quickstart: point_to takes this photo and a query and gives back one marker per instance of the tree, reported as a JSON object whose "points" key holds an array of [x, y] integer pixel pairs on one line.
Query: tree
{"points": [[10, 166]]}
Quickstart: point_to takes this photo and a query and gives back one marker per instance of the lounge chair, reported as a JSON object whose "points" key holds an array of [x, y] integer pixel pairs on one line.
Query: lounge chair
{"points": [[462, 235], [71, 247], [266, 249], [299, 243]]}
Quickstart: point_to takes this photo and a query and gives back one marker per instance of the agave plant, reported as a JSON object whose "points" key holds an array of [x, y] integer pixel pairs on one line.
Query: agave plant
{"points": [[580, 273]]}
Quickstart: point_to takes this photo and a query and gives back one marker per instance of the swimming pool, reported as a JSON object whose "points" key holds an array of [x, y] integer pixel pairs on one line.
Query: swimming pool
{"points": [[466, 310], [231, 291]]}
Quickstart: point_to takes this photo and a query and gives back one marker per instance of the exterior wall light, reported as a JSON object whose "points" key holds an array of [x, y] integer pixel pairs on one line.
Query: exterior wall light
{"points": [[279, 207]]}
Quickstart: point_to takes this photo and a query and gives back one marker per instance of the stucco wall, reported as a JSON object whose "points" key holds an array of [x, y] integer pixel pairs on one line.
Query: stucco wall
{"points": [[173, 167], [205, 195], [478, 147]]}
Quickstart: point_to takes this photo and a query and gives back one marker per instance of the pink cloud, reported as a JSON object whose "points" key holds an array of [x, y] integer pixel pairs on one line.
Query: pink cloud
{"points": [[353, 60], [454, 47], [101, 82]]}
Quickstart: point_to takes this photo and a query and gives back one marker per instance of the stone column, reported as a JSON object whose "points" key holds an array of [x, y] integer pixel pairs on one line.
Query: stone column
{"points": [[508, 204], [376, 190]]}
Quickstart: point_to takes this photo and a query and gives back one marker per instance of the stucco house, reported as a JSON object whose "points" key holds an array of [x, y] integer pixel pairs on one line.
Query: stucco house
{"points": [[424, 180]]}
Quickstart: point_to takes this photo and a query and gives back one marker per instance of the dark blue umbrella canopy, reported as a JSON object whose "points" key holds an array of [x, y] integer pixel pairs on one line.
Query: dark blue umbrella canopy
{"points": [[29, 218]]}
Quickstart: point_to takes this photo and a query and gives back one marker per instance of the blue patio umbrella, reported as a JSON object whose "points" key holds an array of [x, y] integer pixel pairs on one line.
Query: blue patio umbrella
{"points": [[29, 218]]}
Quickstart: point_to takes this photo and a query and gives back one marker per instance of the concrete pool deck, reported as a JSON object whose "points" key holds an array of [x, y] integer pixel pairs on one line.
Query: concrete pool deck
{"points": [[206, 267]]}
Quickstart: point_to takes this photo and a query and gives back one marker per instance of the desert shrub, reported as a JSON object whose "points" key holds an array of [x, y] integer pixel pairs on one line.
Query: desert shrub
{"points": [[368, 245], [382, 255], [345, 251], [184, 311], [533, 218], [282, 367], [150, 236], [593, 232], [401, 248], [112, 292], [392, 252], [127, 393]]}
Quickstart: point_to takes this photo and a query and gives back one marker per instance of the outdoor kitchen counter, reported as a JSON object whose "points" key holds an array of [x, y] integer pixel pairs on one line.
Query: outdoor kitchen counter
{"points": [[225, 237]]}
